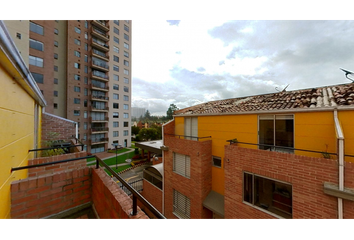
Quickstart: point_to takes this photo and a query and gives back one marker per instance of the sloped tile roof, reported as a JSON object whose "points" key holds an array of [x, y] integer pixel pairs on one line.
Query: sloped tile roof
{"points": [[331, 96]]}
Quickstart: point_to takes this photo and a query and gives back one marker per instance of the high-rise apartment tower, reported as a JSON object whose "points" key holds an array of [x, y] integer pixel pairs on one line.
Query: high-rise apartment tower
{"points": [[83, 69]]}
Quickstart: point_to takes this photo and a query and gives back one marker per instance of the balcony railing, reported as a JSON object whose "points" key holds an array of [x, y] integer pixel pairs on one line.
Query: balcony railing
{"points": [[105, 119], [188, 137], [99, 129], [100, 86], [99, 33], [95, 108], [100, 64], [98, 140], [99, 53], [99, 74], [100, 44], [99, 97]]}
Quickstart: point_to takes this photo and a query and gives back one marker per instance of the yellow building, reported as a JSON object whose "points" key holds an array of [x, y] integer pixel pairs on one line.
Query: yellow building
{"points": [[21, 104], [310, 122]]}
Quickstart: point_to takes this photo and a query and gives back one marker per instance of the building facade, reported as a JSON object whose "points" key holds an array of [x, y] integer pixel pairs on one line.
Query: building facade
{"points": [[20, 110], [83, 69], [281, 155]]}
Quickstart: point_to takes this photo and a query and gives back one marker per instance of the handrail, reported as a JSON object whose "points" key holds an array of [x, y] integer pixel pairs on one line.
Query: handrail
{"points": [[50, 163], [136, 195], [179, 136], [40, 149]]}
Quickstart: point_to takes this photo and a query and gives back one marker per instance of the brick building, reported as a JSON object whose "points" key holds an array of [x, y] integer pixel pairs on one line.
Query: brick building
{"points": [[282, 155]]}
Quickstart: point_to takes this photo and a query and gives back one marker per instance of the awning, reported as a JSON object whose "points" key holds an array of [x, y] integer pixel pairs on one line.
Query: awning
{"points": [[215, 203], [151, 146]]}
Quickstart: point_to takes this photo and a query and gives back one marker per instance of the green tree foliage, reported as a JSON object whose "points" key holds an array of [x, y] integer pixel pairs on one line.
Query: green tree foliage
{"points": [[147, 115], [158, 130], [147, 134], [171, 110], [135, 130]]}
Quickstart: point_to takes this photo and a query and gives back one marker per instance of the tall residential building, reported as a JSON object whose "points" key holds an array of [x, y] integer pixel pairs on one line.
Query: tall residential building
{"points": [[83, 69], [138, 112]]}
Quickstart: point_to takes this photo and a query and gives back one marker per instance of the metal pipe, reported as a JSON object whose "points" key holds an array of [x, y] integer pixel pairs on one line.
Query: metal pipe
{"points": [[40, 149]]}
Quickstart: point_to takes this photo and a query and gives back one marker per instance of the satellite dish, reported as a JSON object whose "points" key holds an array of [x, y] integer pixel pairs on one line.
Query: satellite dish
{"points": [[347, 73], [284, 90]]}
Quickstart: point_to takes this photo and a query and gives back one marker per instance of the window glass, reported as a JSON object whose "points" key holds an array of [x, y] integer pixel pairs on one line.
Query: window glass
{"points": [[37, 77], [36, 61], [36, 45], [36, 28]]}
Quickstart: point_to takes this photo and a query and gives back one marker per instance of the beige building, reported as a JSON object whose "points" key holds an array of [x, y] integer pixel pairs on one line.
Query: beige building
{"points": [[83, 69]]}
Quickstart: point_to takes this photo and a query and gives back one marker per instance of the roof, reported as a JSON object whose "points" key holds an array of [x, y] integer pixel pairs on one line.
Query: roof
{"points": [[156, 169], [215, 202], [152, 146], [322, 97]]}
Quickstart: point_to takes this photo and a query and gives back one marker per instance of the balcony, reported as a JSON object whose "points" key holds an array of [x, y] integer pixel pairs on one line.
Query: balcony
{"points": [[101, 24], [99, 76], [100, 34], [99, 129], [100, 45], [98, 140], [99, 109], [99, 98], [99, 87], [99, 65], [98, 54], [105, 119]]}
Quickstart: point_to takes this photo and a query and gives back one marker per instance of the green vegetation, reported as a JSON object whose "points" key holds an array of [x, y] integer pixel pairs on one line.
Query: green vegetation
{"points": [[122, 150], [120, 168], [120, 159]]}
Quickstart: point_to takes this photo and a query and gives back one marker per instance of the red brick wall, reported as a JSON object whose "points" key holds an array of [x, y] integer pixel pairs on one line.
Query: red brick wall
{"points": [[109, 200], [305, 174], [152, 194], [50, 124], [50, 194], [54, 168], [197, 187]]}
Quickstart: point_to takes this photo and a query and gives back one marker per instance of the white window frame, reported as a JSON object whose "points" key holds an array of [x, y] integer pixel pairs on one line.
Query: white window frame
{"points": [[191, 128]]}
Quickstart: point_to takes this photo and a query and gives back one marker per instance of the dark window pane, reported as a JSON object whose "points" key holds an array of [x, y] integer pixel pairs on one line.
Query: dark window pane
{"points": [[247, 188], [266, 133]]}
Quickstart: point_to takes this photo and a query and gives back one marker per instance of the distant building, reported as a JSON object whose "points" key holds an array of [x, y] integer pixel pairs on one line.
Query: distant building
{"points": [[137, 112]]}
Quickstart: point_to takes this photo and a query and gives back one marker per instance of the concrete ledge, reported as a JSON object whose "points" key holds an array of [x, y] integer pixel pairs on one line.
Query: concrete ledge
{"points": [[74, 212], [333, 190]]}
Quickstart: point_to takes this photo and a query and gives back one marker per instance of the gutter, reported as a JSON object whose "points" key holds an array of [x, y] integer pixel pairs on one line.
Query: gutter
{"points": [[17, 67], [340, 149]]}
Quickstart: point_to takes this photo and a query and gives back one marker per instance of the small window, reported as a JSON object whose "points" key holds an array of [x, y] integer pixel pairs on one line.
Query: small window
{"points": [[36, 61], [77, 77], [76, 89], [77, 100], [126, 63], [216, 161], [126, 89], [77, 65], [55, 105], [85, 114], [115, 133], [55, 80], [55, 93], [86, 36], [85, 80], [76, 112], [37, 77], [116, 22], [55, 55], [115, 124], [126, 80], [56, 31], [85, 103], [126, 124], [126, 45], [116, 39], [181, 205], [116, 105], [126, 28], [77, 42], [115, 115], [116, 68], [126, 115], [86, 58], [85, 124], [126, 133], [115, 58], [116, 49], [77, 53], [116, 30], [56, 68], [86, 24], [115, 77], [18, 35], [77, 30], [181, 164], [126, 37], [115, 86], [86, 47], [115, 96], [126, 98], [36, 45], [36, 28], [126, 54], [126, 107], [56, 44], [86, 69], [85, 91], [126, 71]]}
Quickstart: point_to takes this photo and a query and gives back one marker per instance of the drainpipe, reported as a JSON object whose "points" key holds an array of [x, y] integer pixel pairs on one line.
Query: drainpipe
{"points": [[340, 141], [76, 131]]}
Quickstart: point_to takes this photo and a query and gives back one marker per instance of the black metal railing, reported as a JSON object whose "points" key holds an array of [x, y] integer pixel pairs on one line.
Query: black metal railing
{"points": [[99, 97], [136, 194], [273, 147], [186, 137], [62, 146], [137, 185]]}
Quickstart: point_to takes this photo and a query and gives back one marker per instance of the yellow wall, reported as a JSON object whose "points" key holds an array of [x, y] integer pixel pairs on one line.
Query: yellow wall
{"points": [[16, 135], [312, 131]]}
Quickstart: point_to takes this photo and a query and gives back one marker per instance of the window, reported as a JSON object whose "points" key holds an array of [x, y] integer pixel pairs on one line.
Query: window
{"points": [[36, 61], [268, 194], [85, 114], [56, 31], [126, 115], [36, 45], [116, 22], [37, 77], [86, 36], [116, 39], [18, 35], [36, 28], [55, 93], [126, 63], [86, 24], [191, 128], [115, 96], [77, 65], [85, 91], [115, 58], [56, 68], [126, 106], [126, 98], [86, 69], [126, 45], [86, 47], [116, 49], [85, 103], [77, 77], [115, 86], [126, 72], [276, 131], [77, 30], [115, 115], [115, 77], [77, 100], [126, 89], [116, 30], [55, 105], [77, 53], [126, 54], [115, 68], [126, 28], [126, 80], [55, 80], [116, 105], [85, 80], [181, 205], [76, 89], [76, 112], [126, 37], [115, 133], [77, 42], [55, 55], [216, 161], [85, 124], [115, 124], [85, 137], [181, 164], [126, 124], [126, 133], [86, 58]]}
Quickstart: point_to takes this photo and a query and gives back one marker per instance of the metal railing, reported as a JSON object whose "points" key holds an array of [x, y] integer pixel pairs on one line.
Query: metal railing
{"points": [[136, 195], [100, 64], [186, 137], [100, 32], [102, 54], [99, 74], [99, 97], [99, 129], [137, 185], [96, 140], [58, 147]]}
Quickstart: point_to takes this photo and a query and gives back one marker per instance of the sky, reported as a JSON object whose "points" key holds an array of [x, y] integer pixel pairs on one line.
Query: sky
{"points": [[188, 62]]}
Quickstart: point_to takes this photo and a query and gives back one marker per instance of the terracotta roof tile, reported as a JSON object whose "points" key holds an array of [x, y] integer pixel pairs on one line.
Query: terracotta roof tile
{"points": [[338, 95]]}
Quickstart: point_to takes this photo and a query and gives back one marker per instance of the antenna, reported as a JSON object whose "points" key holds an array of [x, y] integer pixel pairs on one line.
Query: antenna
{"points": [[347, 73], [284, 90]]}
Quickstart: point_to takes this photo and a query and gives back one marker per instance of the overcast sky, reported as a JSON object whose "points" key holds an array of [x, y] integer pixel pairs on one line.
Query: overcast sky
{"points": [[188, 62]]}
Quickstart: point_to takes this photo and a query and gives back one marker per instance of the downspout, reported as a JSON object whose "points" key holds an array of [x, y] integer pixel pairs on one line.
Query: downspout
{"points": [[76, 130], [340, 149]]}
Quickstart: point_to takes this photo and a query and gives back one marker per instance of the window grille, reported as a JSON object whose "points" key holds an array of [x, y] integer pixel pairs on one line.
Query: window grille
{"points": [[181, 164], [181, 205]]}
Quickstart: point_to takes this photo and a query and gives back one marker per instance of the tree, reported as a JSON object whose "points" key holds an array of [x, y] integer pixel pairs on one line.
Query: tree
{"points": [[158, 131], [147, 115], [135, 130], [170, 111], [146, 134]]}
